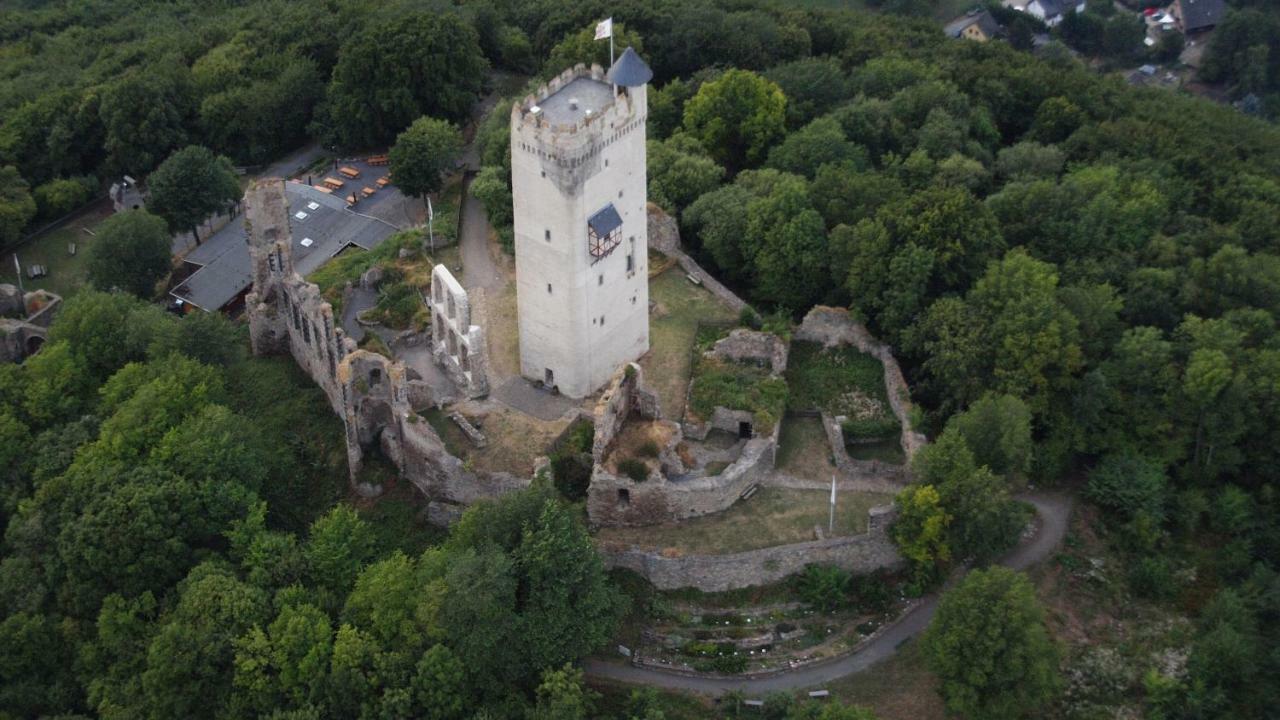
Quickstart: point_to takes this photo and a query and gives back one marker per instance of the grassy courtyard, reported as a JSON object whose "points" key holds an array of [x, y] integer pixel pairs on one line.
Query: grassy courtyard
{"points": [[773, 516], [67, 272], [681, 305], [803, 450]]}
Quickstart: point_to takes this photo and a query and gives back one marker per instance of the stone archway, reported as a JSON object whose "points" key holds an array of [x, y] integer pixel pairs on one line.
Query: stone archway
{"points": [[33, 344]]}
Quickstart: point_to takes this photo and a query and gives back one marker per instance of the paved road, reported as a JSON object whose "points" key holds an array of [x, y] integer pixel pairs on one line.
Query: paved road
{"points": [[1053, 509]]}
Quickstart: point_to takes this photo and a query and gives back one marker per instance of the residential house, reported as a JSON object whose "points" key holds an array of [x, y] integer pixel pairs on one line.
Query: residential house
{"points": [[978, 25], [1196, 16], [1051, 12]]}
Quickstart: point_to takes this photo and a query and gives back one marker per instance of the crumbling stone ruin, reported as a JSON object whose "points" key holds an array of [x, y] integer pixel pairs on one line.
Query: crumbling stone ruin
{"points": [[832, 327], [375, 396], [24, 321], [676, 489]]}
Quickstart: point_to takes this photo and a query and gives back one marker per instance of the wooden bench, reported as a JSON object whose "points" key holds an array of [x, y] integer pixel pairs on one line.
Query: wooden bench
{"points": [[382, 181], [349, 172], [367, 191], [352, 199]]}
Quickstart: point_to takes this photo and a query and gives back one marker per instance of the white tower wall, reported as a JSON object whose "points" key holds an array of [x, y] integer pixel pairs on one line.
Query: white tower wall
{"points": [[580, 317]]}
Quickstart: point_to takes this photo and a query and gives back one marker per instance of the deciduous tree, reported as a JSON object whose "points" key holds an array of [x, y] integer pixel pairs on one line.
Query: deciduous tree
{"points": [[189, 186], [423, 154], [989, 646], [131, 252]]}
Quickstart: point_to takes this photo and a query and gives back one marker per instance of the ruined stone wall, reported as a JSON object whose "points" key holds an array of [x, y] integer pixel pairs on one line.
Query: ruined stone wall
{"points": [[625, 396], [457, 343], [753, 347], [668, 243], [660, 499], [875, 475], [614, 499], [374, 395], [24, 321], [863, 553], [833, 327]]}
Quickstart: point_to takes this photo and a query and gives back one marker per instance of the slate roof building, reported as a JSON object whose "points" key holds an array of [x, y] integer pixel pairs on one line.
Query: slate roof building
{"points": [[976, 25], [322, 226], [1194, 16]]}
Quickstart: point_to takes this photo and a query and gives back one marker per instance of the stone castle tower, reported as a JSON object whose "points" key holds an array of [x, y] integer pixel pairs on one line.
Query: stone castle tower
{"points": [[581, 240]]}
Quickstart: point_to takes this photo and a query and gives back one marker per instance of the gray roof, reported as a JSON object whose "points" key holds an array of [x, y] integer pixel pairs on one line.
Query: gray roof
{"points": [[984, 20], [1051, 8], [1201, 14], [570, 104], [605, 221], [326, 226], [629, 70]]}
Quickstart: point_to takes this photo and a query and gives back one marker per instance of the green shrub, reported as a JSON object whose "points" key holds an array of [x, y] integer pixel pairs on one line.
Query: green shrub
{"points": [[634, 469], [1152, 578], [738, 387], [730, 664], [825, 587], [571, 475], [62, 195], [749, 318], [648, 449], [1127, 483], [823, 379], [874, 428]]}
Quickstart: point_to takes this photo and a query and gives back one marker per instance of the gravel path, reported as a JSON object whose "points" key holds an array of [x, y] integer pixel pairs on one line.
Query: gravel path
{"points": [[478, 269], [1053, 511]]}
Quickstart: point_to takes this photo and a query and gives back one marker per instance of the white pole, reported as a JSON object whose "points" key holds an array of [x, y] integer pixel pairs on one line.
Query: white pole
{"points": [[431, 226], [17, 266], [831, 522]]}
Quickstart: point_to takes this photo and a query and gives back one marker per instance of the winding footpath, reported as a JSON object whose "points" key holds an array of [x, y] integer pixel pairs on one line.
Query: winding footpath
{"points": [[1053, 511]]}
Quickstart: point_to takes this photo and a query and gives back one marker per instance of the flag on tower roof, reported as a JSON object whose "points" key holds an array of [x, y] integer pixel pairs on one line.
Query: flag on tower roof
{"points": [[604, 29]]}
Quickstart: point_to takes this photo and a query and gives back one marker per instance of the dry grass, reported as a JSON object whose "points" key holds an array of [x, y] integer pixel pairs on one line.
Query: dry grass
{"points": [[503, 333], [773, 516], [515, 439], [681, 305], [634, 436], [803, 450], [899, 688]]}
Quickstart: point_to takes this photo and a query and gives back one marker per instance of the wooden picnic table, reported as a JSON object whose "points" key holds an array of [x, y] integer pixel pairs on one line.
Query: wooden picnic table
{"points": [[349, 172], [383, 181], [367, 191], [334, 183]]}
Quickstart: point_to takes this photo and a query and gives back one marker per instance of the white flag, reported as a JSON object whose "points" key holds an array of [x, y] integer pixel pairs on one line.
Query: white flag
{"points": [[604, 29], [833, 489], [431, 213]]}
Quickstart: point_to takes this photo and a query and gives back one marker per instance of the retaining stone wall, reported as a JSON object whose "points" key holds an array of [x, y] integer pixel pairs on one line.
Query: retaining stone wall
{"points": [[863, 553]]}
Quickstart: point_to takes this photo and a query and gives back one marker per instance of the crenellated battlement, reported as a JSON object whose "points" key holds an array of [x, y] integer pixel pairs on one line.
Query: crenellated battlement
{"points": [[601, 108]]}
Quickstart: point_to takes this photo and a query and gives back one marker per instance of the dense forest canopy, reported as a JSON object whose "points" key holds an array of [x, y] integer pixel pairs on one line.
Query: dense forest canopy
{"points": [[1081, 279]]}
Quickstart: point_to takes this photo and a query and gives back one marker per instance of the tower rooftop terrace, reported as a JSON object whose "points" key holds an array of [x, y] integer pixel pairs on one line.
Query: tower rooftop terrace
{"points": [[587, 93]]}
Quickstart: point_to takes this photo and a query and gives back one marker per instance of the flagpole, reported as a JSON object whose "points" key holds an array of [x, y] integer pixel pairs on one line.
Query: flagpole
{"points": [[431, 228], [831, 522]]}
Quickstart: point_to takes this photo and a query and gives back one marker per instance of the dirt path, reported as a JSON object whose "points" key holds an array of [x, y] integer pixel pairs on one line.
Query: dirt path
{"points": [[1052, 509], [478, 268]]}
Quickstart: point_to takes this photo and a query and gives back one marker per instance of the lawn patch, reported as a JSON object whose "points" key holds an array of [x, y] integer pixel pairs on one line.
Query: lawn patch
{"points": [[840, 381]]}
